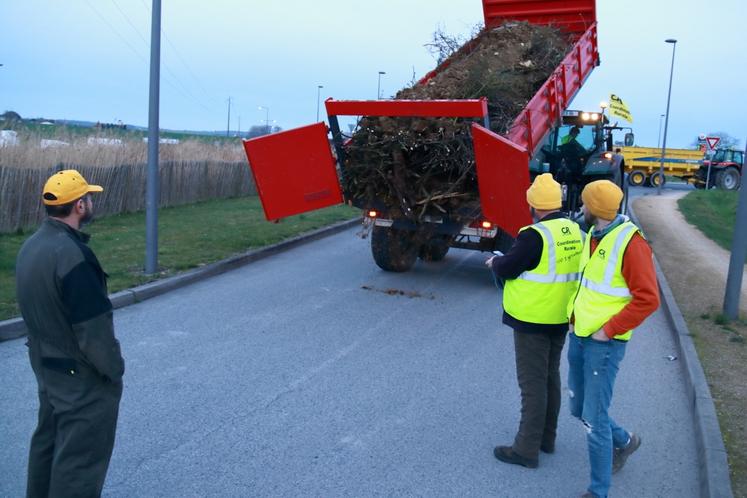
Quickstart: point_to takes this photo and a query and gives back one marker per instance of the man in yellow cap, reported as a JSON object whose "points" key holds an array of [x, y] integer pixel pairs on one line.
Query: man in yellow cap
{"points": [[541, 275], [74, 354], [618, 290]]}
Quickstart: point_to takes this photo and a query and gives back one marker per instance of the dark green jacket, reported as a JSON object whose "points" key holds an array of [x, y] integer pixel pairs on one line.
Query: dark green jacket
{"points": [[62, 294]]}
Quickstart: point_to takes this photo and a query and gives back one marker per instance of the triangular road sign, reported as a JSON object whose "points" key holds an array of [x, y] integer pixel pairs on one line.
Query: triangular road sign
{"points": [[713, 142]]}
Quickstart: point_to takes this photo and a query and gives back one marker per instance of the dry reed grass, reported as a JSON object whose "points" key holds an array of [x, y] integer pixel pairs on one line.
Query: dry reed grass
{"points": [[29, 153]]}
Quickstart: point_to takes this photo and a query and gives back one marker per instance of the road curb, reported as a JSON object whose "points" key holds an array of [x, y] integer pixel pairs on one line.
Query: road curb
{"points": [[15, 327], [714, 478]]}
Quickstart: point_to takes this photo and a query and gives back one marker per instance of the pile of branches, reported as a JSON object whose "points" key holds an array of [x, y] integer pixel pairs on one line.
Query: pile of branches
{"points": [[426, 166]]}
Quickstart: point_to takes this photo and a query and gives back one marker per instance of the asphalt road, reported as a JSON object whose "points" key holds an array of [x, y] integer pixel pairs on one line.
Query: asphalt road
{"points": [[289, 378]]}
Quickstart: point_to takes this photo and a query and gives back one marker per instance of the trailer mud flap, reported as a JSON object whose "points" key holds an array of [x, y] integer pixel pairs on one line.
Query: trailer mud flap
{"points": [[502, 179], [294, 171]]}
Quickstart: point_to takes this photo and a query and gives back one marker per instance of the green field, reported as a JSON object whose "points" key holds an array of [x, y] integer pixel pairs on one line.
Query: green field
{"points": [[71, 132], [713, 212], [189, 236]]}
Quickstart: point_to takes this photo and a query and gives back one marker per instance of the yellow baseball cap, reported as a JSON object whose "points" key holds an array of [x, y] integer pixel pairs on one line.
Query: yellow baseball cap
{"points": [[67, 186]]}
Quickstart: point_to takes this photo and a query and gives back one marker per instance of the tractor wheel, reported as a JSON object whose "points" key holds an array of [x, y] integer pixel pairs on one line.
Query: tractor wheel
{"points": [[636, 178], [393, 249], [728, 179], [656, 179], [434, 249]]}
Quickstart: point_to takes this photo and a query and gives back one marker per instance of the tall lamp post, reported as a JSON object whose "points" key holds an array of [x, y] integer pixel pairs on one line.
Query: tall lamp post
{"points": [[666, 118], [318, 94], [267, 116], [152, 186], [661, 121], [378, 87]]}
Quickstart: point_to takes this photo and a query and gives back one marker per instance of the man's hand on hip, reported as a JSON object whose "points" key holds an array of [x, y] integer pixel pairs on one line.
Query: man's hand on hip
{"points": [[600, 335]]}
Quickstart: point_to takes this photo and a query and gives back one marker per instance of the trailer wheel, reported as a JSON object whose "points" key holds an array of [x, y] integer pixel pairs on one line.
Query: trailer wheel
{"points": [[636, 178], [656, 179], [393, 249], [728, 179], [434, 249]]}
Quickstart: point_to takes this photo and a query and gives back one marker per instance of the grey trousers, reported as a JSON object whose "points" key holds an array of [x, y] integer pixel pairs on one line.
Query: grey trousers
{"points": [[538, 373], [73, 441]]}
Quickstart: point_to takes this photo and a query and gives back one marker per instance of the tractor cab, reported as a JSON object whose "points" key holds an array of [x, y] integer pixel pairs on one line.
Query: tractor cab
{"points": [[576, 153]]}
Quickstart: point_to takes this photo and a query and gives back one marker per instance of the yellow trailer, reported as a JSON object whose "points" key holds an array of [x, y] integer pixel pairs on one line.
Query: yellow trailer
{"points": [[642, 164]]}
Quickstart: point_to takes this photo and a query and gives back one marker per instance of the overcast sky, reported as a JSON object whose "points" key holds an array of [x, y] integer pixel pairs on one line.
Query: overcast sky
{"points": [[88, 59]]}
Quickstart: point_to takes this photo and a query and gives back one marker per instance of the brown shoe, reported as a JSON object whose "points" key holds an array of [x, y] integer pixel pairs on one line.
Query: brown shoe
{"points": [[506, 454], [620, 455]]}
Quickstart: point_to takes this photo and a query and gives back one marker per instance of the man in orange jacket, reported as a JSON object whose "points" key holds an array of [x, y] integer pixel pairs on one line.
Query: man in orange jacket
{"points": [[617, 292]]}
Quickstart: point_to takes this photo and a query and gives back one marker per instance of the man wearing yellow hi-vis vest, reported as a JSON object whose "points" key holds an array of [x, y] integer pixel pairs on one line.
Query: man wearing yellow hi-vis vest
{"points": [[617, 291], [541, 275]]}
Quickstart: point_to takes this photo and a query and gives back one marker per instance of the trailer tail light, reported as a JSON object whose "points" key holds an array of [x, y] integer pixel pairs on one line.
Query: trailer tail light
{"points": [[486, 225], [372, 214], [608, 155]]}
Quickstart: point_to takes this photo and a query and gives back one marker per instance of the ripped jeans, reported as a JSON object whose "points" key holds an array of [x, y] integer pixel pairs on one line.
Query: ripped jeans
{"points": [[593, 366]]}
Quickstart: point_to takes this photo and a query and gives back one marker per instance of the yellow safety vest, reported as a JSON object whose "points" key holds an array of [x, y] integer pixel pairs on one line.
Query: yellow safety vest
{"points": [[603, 291], [566, 139], [541, 295]]}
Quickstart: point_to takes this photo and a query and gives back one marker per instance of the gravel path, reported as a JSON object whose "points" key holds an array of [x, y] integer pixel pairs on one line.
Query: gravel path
{"points": [[682, 248]]}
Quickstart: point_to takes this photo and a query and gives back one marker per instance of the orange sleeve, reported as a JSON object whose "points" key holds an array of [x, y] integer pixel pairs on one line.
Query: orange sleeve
{"points": [[640, 276]]}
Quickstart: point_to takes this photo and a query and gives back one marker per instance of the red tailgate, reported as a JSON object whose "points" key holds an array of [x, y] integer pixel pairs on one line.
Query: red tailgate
{"points": [[572, 16], [294, 171], [503, 180]]}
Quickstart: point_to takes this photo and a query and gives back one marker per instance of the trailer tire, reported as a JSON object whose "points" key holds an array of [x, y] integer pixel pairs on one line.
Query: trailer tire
{"points": [[636, 178], [394, 250], [728, 179], [657, 178], [434, 249]]}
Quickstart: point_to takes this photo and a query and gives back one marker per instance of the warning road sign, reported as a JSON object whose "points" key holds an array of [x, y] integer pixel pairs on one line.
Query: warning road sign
{"points": [[712, 142]]}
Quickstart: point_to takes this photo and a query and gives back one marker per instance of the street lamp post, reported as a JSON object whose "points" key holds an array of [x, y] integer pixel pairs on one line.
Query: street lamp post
{"points": [[267, 116], [152, 186], [666, 118], [318, 94], [378, 87], [661, 121]]}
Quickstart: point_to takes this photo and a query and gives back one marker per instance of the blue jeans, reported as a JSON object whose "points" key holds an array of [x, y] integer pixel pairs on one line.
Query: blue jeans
{"points": [[591, 379]]}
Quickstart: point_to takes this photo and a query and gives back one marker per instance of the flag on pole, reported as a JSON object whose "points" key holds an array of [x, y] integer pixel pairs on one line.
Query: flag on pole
{"points": [[618, 108]]}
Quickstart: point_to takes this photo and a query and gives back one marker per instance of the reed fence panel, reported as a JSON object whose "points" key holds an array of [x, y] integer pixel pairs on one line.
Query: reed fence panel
{"points": [[124, 187]]}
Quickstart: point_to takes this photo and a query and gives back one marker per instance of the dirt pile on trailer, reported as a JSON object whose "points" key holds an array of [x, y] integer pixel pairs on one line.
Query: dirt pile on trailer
{"points": [[425, 166]]}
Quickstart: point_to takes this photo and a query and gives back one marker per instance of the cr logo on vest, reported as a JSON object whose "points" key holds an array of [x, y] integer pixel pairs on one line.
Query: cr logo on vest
{"points": [[602, 253], [566, 230]]}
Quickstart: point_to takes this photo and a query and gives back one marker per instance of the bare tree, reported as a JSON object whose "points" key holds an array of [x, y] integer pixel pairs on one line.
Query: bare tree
{"points": [[727, 141]]}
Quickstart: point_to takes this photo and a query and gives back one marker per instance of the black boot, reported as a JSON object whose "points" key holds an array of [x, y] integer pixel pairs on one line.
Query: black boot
{"points": [[506, 454]]}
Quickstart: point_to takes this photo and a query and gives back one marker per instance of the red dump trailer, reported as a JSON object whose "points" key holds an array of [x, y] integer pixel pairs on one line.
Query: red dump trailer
{"points": [[295, 171]]}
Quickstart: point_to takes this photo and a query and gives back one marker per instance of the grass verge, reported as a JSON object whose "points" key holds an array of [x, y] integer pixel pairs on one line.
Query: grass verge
{"points": [[189, 236], [713, 212], [721, 343]]}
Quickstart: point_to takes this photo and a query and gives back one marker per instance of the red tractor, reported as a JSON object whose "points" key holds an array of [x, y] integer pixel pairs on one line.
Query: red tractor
{"points": [[722, 170]]}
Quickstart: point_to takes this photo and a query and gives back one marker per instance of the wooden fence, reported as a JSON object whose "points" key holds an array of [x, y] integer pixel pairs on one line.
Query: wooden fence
{"points": [[124, 188]]}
